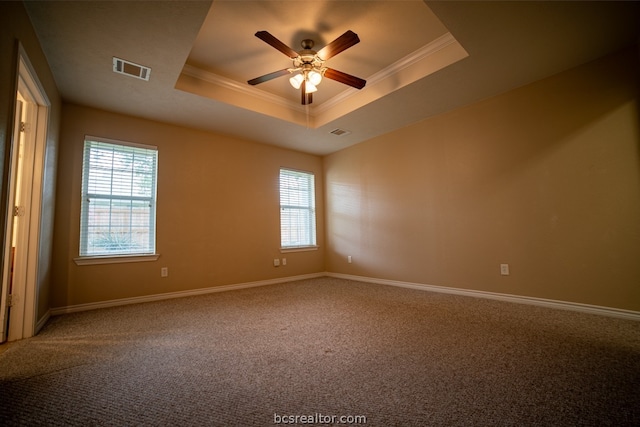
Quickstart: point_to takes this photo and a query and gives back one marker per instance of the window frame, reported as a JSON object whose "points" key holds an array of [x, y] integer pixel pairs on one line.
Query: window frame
{"points": [[150, 254], [311, 208]]}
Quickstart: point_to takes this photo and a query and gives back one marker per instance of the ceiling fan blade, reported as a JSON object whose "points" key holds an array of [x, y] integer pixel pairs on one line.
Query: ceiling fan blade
{"points": [[345, 78], [268, 77], [266, 37], [343, 42]]}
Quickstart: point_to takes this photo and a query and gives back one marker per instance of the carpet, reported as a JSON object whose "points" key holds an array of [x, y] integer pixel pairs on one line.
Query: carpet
{"points": [[325, 351]]}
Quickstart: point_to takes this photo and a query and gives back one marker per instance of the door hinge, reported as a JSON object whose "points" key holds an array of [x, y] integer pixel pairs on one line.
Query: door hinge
{"points": [[18, 211], [23, 126], [9, 300]]}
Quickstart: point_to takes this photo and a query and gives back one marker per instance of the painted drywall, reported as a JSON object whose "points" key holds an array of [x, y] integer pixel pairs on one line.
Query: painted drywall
{"points": [[545, 178], [15, 27], [218, 217]]}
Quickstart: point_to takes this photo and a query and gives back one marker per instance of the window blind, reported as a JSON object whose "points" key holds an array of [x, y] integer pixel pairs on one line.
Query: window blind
{"points": [[297, 209], [118, 209]]}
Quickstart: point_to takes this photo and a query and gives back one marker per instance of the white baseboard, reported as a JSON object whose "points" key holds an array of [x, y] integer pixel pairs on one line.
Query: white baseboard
{"points": [[563, 305], [40, 324], [179, 294]]}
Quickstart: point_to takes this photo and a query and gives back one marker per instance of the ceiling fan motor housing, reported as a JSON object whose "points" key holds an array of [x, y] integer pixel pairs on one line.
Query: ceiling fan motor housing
{"points": [[307, 44]]}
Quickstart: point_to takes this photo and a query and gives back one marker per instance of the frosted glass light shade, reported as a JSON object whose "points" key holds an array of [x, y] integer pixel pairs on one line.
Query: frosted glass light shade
{"points": [[296, 81], [314, 78]]}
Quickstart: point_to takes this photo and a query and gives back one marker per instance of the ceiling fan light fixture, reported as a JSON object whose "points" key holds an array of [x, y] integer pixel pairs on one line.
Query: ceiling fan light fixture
{"points": [[296, 81], [309, 64], [314, 78]]}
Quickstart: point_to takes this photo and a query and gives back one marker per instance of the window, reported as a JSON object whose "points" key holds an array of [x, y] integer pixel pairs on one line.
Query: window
{"points": [[118, 210], [297, 209]]}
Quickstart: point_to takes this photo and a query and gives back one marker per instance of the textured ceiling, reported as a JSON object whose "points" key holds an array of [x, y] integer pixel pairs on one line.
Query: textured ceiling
{"points": [[420, 59]]}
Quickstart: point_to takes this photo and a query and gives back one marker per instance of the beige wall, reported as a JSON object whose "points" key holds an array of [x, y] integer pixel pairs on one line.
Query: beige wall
{"points": [[217, 215], [15, 27], [544, 178]]}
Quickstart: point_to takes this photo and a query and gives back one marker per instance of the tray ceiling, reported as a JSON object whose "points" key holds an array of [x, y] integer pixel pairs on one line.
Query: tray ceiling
{"points": [[419, 59]]}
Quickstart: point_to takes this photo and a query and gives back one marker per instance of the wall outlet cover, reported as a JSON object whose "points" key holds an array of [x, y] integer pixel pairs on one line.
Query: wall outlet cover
{"points": [[504, 269]]}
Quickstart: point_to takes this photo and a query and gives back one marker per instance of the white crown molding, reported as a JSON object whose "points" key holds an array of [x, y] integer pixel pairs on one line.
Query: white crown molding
{"points": [[244, 89], [241, 88], [409, 60], [417, 56]]}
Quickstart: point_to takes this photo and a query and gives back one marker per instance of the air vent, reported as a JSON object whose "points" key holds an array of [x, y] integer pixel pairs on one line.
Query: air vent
{"points": [[131, 69], [340, 132]]}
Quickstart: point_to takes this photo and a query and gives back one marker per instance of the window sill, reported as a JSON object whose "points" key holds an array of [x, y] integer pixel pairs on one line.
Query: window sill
{"points": [[114, 259], [299, 249]]}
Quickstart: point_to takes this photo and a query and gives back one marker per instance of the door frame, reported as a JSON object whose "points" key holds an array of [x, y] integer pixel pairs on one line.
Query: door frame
{"points": [[23, 310]]}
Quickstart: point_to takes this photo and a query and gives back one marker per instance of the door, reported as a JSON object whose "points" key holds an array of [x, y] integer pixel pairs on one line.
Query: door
{"points": [[18, 302], [10, 242]]}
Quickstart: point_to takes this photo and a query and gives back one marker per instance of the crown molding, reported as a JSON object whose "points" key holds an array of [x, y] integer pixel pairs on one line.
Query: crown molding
{"points": [[314, 111], [414, 57], [241, 88], [409, 60]]}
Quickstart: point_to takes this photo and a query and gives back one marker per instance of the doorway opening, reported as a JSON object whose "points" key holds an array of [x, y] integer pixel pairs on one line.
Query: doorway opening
{"points": [[18, 306]]}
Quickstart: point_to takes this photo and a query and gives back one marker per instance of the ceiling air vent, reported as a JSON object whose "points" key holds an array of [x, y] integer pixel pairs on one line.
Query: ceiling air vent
{"points": [[131, 69], [340, 132]]}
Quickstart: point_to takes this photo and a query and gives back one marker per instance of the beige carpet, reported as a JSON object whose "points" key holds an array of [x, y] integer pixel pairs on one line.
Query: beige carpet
{"points": [[338, 348]]}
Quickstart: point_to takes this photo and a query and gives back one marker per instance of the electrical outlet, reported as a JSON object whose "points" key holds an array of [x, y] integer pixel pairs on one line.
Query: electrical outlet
{"points": [[349, 259], [164, 272], [504, 269], [284, 261], [276, 262]]}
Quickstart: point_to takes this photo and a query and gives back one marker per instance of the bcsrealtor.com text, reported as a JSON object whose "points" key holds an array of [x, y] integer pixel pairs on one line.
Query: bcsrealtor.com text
{"points": [[319, 419]]}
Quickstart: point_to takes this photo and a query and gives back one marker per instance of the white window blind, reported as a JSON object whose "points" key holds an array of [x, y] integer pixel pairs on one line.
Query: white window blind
{"points": [[118, 210], [297, 209]]}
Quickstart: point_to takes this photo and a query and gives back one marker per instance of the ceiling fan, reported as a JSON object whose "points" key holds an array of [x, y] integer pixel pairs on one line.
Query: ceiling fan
{"points": [[308, 65]]}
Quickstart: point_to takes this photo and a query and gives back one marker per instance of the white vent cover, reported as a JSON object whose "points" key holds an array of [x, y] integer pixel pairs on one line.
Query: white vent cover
{"points": [[131, 69], [340, 132]]}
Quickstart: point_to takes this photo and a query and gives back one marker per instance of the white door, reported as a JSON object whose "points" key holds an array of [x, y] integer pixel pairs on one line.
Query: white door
{"points": [[17, 306], [9, 261]]}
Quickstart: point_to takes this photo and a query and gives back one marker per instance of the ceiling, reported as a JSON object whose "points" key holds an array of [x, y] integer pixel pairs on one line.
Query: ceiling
{"points": [[419, 59]]}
